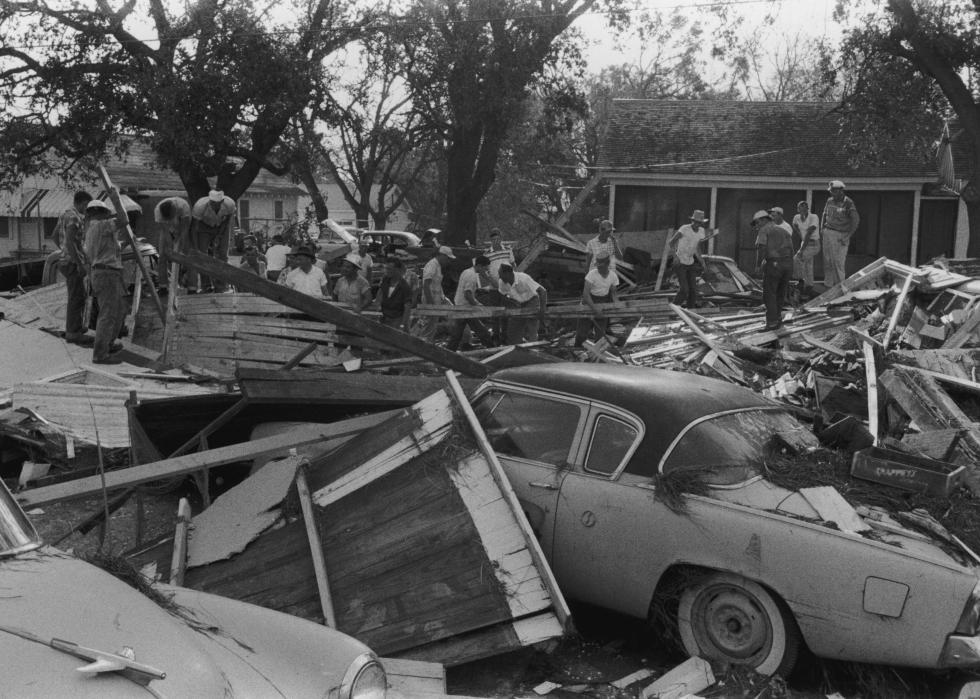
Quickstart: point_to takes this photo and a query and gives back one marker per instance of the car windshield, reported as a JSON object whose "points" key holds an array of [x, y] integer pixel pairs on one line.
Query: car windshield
{"points": [[16, 531], [731, 448]]}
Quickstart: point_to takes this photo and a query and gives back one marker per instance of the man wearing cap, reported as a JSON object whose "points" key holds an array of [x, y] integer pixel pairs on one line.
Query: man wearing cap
{"points": [[470, 281], [351, 287], [839, 221], [252, 261], [523, 292], [173, 217], [604, 242], [69, 233], [807, 227], [600, 287], [685, 245], [778, 220], [306, 277], [104, 276], [432, 292], [211, 220], [774, 246]]}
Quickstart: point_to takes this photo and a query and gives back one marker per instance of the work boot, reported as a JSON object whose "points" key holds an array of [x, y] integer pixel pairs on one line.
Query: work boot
{"points": [[80, 339]]}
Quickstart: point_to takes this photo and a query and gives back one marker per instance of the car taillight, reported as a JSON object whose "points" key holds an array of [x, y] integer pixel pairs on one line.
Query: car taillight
{"points": [[970, 618]]}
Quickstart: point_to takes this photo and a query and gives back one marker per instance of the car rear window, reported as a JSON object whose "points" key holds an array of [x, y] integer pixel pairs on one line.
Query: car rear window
{"points": [[528, 427], [731, 448], [612, 440]]}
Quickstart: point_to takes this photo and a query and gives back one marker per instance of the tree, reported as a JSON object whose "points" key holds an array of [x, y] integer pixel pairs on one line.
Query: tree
{"points": [[213, 89], [469, 66], [905, 68]]}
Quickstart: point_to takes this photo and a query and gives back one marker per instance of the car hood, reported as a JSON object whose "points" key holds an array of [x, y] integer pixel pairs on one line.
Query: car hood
{"points": [[48, 594]]}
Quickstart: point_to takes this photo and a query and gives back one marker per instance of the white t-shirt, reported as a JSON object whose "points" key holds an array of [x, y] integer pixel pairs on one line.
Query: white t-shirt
{"points": [[688, 241], [522, 290], [785, 225], [310, 283], [275, 257], [469, 280], [433, 271], [600, 285], [811, 220]]}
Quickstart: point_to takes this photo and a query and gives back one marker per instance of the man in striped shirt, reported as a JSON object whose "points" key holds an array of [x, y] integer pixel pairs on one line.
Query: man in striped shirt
{"points": [[605, 243]]}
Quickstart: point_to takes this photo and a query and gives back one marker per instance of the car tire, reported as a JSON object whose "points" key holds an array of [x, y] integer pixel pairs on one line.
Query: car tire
{"points": [[728, 618]]}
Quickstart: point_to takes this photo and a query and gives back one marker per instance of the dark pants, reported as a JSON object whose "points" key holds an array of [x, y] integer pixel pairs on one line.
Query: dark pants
{"points": [[75, 280], [478, 328], [107, 287], [775, 280], [498, 325], [585, 326], [273, 276], [687, 277], [214, 243]]}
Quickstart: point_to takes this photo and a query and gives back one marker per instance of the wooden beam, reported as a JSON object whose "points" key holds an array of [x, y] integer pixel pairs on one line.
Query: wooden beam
{"points": [[184, 465], [579, 199], [539, 245], [534, 546], [722, 354], [210, 428], [178, 561], [871, 378], [124, 224], [663, 261], [331, 313], [316, 548], [899, 305]]}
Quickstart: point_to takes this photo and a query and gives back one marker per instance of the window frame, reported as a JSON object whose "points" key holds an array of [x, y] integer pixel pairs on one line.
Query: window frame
{"points": [[599, 411]]}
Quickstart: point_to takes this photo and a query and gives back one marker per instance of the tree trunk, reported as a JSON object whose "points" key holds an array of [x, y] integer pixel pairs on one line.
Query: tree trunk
{"points": [[472, 162], [380, 220]]}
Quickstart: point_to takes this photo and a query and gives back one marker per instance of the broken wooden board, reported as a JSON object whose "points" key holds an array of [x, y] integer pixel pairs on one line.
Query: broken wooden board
{"points": [[424, 557], [961, 363], [864, 276]]}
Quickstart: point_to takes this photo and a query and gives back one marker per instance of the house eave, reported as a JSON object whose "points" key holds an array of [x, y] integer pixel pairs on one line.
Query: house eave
{"points": [[760, 182]]}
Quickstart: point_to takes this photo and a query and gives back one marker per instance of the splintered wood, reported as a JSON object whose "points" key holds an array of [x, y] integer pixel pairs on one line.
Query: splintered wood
{"points": [[423, 555]]}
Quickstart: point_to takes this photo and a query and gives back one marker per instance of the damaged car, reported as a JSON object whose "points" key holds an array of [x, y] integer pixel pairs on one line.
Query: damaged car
{"points": [[647, 491], [70, 629]]}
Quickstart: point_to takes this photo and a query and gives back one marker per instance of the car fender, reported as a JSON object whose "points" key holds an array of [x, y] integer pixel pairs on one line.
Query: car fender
{"points": [[301, 658]]}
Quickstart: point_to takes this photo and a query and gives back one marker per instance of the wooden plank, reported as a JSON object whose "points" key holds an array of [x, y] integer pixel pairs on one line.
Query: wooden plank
{"points": [[862, 277], [539, 245], [329, 312], [560, 605], [412, 678], [579, 199], [965, 333], [871, 379], [178, 562], [711, 344], [316, 548], [661, 273], [899, 306], [184, 465]]}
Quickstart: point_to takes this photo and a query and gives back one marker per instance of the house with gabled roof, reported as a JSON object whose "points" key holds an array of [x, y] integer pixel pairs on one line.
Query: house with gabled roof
{"points": [[665, 158]]}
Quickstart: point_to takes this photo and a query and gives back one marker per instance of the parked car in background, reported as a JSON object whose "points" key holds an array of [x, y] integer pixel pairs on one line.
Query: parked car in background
{"points": [[748, 570], [69, 629]]}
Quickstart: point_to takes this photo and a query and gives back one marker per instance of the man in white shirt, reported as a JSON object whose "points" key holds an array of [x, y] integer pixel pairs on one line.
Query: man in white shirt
{"points": [[522, 292], [807, 227], [211, 220], [685, 245], [498, 254], [306, 277], [432, 292], [275, 258], [605, 242], [600, 287], [470, 281]]}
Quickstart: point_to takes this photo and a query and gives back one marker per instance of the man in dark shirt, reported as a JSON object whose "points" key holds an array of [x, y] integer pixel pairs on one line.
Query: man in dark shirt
{"points": [[774, 246], [395, 296], [70, 232]]}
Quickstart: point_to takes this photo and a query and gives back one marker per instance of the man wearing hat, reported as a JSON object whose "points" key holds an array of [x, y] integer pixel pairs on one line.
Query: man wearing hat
{"points": [[774, 246], [211, 220], [600, 287], [604, 242], [778, 220], [685, 245], [521, 291], [104, 278], [351, 287], [471, 280], [69, 233], [839, 221], [173, 218], [306, 276], [432, 292]]}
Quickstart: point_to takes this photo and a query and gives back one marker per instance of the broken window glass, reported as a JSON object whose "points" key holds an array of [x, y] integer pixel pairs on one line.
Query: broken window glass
{"points": [[528, 427]]}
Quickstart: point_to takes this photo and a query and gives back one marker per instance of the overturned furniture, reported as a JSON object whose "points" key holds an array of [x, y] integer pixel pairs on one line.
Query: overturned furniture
{"points": [[408, 536]]}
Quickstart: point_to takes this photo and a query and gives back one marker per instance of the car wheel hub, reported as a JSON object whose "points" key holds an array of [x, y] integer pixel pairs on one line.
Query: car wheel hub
{"points": [[735, 625]]}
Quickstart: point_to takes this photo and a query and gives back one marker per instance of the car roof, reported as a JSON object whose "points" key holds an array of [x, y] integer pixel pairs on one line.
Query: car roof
{"points": [[667, 401]]}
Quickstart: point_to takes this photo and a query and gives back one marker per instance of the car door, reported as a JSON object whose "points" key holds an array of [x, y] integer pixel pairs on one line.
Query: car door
{"points": [[603, 513], [535, 436]]}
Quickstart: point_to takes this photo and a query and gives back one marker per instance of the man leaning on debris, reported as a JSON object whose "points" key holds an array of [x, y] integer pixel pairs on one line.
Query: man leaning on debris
{"points": [[211, 220], [522, 292], [104, 279], [840, 220], [470, 281], [173, 215], [775, 260], [600, 287], [70, 232]]}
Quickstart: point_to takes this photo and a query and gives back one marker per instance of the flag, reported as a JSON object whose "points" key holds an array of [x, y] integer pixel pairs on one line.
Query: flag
{"points": [[944, 161]]}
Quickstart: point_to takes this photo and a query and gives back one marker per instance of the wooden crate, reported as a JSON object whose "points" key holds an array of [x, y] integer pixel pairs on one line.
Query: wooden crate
{"points": [[906, 471]]}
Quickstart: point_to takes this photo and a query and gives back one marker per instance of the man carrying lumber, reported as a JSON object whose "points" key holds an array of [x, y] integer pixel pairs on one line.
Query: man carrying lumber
{"points": [[685, 245], [774, 259], [104, 278], [600, 287], [470, 281], [522, 292], [70, 235]]}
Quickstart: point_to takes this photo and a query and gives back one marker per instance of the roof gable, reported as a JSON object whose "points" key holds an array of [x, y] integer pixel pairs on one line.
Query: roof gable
{"points": [[728, 138]]}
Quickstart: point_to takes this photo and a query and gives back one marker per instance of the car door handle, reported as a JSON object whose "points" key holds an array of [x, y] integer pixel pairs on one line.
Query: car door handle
{"points": [[546, 486]]}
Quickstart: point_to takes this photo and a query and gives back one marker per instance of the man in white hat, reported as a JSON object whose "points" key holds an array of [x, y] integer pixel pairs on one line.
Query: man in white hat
{"points": [[840, 220], [432, 292], [605, 242], [774, 246], [351, 287], [211, 220], [104, 278], [685, 245]]}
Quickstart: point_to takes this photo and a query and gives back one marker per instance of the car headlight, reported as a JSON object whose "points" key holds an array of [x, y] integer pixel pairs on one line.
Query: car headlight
{"points": [[970, 618], [365, 679]]}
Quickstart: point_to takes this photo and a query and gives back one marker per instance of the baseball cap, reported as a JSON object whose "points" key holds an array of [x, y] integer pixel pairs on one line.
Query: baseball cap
{"points": [[447, 251], [216, 195]]}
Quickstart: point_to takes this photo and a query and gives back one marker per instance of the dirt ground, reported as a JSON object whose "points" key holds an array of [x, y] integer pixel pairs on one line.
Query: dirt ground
{"points": [[605, 647]]}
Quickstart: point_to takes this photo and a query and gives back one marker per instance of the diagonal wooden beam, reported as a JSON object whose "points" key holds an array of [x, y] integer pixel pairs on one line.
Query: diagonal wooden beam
{"points": [[331, 313]]}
